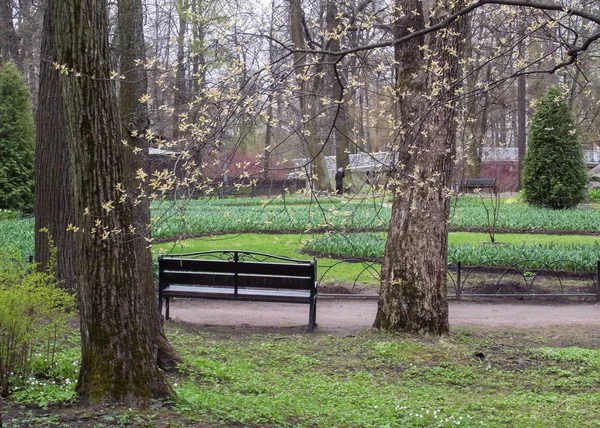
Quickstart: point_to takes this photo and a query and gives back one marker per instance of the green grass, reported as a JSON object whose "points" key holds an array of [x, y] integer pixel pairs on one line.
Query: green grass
{"points": [[461, 238], [18, 235], [290, 245], [583, 250], [383, 380], [367, 379]]}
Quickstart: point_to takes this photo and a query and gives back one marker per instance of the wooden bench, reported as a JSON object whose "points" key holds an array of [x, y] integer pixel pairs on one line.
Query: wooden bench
{"points": [[480, 183], [227, 190], [238, 275]]}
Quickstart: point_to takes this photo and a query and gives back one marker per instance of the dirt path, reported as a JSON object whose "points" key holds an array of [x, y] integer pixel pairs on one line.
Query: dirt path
{"points": [[349, 315]]}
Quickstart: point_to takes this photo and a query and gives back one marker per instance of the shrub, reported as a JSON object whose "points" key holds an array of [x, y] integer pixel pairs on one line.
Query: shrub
{"points": [[554, 171], [17, 141], [33, 311], [594, 195]]}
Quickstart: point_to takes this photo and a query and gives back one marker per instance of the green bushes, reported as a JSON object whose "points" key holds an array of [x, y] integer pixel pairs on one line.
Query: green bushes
{"points": [[594, 195], [17, 141], [372, 246], [33, 313], [518, 216], [554, 171]]}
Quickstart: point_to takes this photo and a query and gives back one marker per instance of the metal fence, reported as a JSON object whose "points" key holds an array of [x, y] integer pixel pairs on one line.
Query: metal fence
{"points": [[546, 280], [487, 280]]}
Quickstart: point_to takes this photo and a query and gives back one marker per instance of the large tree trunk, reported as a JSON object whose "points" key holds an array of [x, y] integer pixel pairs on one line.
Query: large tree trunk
{"points": [[134, 116], [53, 206], [117, 305], [413, 295]]}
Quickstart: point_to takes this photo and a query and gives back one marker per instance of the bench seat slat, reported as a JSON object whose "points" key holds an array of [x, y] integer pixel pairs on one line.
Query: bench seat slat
{"points": [[228, 279], [243, 293]]}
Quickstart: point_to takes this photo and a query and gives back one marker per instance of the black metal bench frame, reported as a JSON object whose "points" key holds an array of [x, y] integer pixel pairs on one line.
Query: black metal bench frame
{"points": [[238, 275], [227, 190], [480, 183]]}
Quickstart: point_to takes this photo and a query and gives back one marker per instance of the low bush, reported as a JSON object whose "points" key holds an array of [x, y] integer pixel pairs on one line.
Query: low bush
{"points": [[33, 315], [594, 195], [9, 214], [372, 246], [18, 235]]}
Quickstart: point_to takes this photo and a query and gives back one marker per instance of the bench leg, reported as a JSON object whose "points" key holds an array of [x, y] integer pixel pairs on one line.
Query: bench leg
{"points": [[167, 317], [160, 304], [312, 316]]}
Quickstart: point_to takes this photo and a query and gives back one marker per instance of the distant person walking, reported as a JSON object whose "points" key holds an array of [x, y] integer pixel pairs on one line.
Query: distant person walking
{"points": [[339, 181]]}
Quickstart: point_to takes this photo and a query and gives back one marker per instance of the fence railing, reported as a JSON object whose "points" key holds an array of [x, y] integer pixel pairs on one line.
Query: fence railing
{"points": [[525, 278], [520, 280]]}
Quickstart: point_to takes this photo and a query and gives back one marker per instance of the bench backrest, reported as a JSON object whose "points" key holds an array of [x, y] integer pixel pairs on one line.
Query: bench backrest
{"points": [[480, 181], [237, 272]]}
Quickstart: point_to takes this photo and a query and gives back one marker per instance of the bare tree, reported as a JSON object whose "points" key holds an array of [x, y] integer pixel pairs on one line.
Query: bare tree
{"points": [[309, 90]]}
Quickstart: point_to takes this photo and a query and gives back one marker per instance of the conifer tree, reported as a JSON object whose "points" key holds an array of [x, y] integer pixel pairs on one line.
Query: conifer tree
{"points": [[554, 173], [17, 141]]}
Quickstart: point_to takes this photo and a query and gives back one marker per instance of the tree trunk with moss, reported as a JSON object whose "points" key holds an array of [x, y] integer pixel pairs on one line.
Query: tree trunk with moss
{"points": [[134, 117], [413, 288], [117, 303]]}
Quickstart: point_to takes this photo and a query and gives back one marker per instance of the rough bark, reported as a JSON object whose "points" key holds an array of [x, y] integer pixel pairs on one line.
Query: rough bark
{"points": [[117, 308], [53, 205], [413, 286], [134, 116]]}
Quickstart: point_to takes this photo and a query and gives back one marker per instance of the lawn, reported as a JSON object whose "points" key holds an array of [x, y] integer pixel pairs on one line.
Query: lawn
{"points": [[474, 377]]}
